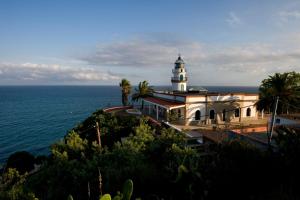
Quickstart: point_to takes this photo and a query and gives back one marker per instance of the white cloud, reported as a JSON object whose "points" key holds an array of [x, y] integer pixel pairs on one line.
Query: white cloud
{"points": [[45, 73], [289, 15], [289, 18], [140, 52], [145, 54], [233, 19], [152, 58], [228, 64]]}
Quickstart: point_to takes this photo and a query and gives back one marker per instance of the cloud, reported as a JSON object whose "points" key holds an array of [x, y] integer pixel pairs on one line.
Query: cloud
{"points": [[151, 57], [148, 50], [45, 73], [285, 16], [156, 53], [233, 19], [230, 63]]}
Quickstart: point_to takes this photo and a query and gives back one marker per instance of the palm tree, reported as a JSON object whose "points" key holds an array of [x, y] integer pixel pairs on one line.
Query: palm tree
{"points": [[143, 90], [286, 86], [126, 90]]}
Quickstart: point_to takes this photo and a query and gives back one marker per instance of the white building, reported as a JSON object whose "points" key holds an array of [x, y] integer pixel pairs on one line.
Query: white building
{"points": [[292, 120], [179, 79], [199, 106]]}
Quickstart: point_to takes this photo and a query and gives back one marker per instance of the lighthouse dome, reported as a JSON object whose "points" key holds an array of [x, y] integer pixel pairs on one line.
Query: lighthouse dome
{"points": [[179, 63]]}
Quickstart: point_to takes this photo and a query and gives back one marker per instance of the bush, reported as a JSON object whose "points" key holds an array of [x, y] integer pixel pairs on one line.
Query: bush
{"points": [[22, 161]]}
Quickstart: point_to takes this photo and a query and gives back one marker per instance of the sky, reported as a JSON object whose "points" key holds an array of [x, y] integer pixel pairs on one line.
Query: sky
{"points": [[232, 43]]}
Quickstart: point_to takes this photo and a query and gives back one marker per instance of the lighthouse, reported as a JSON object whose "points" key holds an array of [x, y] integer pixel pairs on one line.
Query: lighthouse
{"points": [[179, 79]]}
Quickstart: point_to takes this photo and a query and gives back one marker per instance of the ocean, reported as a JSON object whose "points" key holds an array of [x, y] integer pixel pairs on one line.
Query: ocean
{"points": [[34, 117]]}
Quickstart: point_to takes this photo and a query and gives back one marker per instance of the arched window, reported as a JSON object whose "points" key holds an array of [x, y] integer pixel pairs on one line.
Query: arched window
{"points": [[237, 112], [182, 87], [248, 113], [197, 115], [224, 115], [211, 114], [181, 77]]}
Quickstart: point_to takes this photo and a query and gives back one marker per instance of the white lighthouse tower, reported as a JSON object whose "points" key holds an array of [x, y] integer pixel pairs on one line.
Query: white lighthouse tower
{"points": [[179, 79]]}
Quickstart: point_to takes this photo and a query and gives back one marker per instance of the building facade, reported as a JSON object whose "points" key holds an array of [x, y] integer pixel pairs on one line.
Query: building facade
{"points": [[199, 107], [288, 120]]}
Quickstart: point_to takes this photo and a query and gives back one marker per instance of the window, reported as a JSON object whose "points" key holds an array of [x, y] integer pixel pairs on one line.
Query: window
{"points": [[211, 114], [198, 115], [224, 115], [248, 113], [179, 113], [181, 77], [237, 112], [182, 87], [277, 121]]}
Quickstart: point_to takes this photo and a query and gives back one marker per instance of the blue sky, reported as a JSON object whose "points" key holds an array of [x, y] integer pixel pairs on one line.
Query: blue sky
{"points": [[100, 42]]}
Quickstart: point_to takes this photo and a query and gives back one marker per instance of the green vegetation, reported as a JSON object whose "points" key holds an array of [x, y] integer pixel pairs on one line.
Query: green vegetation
{"points": [[143, 90], [106, 197], [286, 86], [12, 186], [156, 161], [22, 161], [70, 197], [126, 90], [172, 116], [159, 165], [126, 192]]}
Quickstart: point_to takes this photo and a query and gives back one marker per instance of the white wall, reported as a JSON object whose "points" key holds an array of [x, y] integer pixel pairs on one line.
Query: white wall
{"points": [[251, 97], [251, 106], [177, 73], [192, 99], [283, 121], [224, 97], [177, 86], [192, 108]]}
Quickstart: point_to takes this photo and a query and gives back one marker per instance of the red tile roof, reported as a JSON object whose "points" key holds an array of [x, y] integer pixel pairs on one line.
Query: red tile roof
{"points": [[163, 102]]}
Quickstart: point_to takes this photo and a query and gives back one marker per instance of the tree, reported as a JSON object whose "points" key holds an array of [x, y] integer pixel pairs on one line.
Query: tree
{"points": [[126, 90], [22, 161], [288, 143], [143, 90], [12, 186], [172, 116], [286, 86], [73, 147], [288, 148], [143, 135]]}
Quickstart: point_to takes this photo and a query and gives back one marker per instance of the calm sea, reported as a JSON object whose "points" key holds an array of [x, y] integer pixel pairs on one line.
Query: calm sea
{"points": [[33, 117]]}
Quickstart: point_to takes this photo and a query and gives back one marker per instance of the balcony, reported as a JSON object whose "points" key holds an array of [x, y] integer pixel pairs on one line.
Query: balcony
{"points": [[177, 79]]}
